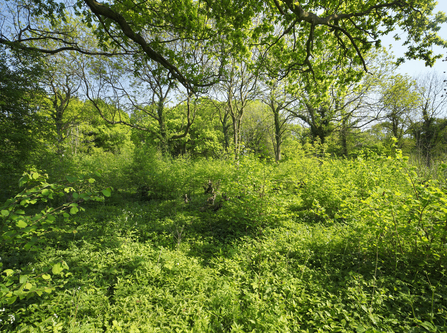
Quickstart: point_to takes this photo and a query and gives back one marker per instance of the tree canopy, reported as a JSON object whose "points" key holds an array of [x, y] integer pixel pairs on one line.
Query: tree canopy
{"points": [[290, 34]]}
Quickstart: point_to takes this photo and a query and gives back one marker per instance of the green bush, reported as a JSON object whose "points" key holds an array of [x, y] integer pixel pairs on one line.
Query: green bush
{"points": [[24, 226], [410, 218]]}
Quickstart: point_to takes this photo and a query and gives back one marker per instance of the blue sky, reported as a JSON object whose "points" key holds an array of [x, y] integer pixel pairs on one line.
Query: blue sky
{"points": [[416, 67]]}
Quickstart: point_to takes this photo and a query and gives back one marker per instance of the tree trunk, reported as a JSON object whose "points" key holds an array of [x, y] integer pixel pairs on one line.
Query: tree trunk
{"points": [[278, 135], [225, 131], [164, 144]]}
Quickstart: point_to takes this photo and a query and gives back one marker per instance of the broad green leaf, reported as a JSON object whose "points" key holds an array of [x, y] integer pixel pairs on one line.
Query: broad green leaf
{"points": [[11, 299], [5, 212], [106, 192], [8, 272], [23, 278], [22, 224], [57, 268], [51, 218], [46, 276], [91, 180], [74, 210]]}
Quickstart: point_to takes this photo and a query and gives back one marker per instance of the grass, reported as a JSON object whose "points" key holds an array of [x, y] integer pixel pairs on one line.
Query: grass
{"points": [[270, 260]]}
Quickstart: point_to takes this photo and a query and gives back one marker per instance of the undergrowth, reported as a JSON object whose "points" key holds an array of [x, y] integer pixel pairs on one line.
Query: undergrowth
{"points": [[307, 245]]}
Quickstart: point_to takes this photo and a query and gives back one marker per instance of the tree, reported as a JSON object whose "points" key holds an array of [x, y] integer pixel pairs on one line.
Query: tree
{"points": [[279, 102], [294, 33], [398, 101], [432, 105], [237, 90], [223, 112], [205, 138], [256, 129], [155, 81], [61, 82], [146, 92], [20, 123], [339, 104]]}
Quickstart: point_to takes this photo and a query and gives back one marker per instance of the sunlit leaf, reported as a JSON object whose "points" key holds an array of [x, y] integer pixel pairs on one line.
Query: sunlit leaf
{"points": [[106, 192], [21, 224], [57, 268], [8, 272]]}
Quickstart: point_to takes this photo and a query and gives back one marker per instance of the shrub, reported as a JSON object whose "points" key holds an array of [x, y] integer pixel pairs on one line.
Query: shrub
{"points": [[24, 226]]}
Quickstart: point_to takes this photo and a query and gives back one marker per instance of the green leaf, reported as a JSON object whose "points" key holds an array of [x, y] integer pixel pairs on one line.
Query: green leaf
{"points": [[64, 265], [51, 218], [74, 210], [46, 276], [23, 180], [428, 326], [28, 245], [71, 179], [91, 180], [5, 212], [48, 290], [106, 192], [22, 224], [8, 272], [57, 269], [23, 278], [11, 300]]}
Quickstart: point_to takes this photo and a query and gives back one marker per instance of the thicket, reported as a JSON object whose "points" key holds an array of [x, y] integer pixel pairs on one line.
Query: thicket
{"points": [[221, 245]]}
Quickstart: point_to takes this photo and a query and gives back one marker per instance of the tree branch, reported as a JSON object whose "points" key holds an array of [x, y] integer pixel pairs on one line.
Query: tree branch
{"points": [[102, 10]]}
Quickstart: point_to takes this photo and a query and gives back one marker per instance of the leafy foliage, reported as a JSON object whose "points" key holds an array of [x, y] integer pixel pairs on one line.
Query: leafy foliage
{"points": [[262, 256], [21, 126], [24, 228]]}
